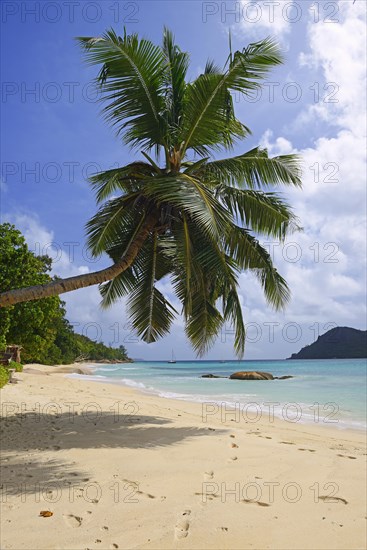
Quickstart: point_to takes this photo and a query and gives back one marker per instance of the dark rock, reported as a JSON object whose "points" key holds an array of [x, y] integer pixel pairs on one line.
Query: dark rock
{"points": [[251, 375], [212, 376]]}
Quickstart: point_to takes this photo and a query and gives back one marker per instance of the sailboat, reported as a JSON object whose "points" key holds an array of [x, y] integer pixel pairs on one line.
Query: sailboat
{"points": [[173, 358]]}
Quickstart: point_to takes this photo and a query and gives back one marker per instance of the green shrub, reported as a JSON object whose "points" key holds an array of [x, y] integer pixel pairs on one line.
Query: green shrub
{"points": [[17, 366], [4, 376]]}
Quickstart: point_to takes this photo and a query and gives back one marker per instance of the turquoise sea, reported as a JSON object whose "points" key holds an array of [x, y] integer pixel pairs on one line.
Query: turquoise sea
{"points": [[328, 392]]}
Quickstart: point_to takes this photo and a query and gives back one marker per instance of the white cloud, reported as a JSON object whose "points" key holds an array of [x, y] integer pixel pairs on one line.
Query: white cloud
{"points": [[280, 146], [339, 49], [41, 241], [328, 280], [262, 18]]}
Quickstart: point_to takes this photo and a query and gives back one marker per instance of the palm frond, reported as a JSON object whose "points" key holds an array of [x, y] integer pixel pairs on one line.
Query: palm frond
{"points": [[113, 224], [180, 251], [265, 213], [117, 288], [203, 326], [131, 81], [177, 63], [127, 179], [233, 314], [209, 120], [189, 195], [249, 254], [211, 67], [254, 170], [201, 275], [150, 312], [225, 286]]}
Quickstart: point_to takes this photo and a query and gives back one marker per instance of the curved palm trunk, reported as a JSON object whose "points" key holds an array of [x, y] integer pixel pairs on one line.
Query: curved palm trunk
{"points": [[60, 286]]}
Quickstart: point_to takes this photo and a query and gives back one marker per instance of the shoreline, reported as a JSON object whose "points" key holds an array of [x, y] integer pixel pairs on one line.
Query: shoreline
{"points": [[88, 375], [306, 418], [134, 470]]}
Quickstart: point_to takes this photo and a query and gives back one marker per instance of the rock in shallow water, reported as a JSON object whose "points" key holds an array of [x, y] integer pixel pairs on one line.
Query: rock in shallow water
{"points": [[251, 375]]}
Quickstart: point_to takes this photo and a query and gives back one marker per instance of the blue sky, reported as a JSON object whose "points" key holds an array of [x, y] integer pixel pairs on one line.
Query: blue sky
{"points": [[53, 137]]}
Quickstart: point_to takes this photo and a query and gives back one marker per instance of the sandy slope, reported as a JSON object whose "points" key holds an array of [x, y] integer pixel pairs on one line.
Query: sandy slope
{"points": [[120, 469]]}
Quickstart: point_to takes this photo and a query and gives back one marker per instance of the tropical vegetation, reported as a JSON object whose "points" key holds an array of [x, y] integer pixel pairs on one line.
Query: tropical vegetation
{"points": [[40, 326]]}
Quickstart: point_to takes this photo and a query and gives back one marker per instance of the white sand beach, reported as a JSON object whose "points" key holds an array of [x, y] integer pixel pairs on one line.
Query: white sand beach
{"points": [[122, 469]]}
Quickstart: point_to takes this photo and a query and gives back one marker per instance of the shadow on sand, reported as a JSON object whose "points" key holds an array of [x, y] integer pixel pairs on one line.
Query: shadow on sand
{"points": [[26, 436]]}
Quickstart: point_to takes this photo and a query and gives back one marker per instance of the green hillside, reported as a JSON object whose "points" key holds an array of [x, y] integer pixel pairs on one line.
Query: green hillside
{"points": [[337, 343]]}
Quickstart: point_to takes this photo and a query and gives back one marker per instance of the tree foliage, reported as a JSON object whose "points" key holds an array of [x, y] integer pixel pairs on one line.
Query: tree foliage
{"points": [[209, 213], [40, 326], [177, 212]]}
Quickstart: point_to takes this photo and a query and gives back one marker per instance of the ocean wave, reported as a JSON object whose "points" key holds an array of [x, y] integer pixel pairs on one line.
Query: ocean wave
{"points": [[107, 369], [93, 377], [131, 383]]}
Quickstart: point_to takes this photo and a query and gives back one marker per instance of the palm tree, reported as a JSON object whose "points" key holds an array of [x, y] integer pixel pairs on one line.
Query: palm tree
{"points": [[188, 217]]}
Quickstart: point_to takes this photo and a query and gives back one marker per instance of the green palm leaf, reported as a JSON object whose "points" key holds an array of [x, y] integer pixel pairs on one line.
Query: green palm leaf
{"points": [[111, 228], [151, 314], [131, 81], [189, 195], [248, 254], [117, 288], [265, 213], [254, 170], [127, 179], [233, 313], [209, 116], [177, 63]]}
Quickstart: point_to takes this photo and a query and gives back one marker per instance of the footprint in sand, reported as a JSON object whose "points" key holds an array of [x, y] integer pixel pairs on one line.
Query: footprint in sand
{"points": [[135, 486], [73, 521], [309, 450], [234, 446], [182, 526], [347, 456], [145, 495], [208, 496], [232, 459], [326, 498], [208, 475], [258, 502]]}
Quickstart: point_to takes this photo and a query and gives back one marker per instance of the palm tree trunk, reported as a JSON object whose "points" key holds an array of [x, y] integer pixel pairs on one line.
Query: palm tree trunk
{"points": [[60, 286]]}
